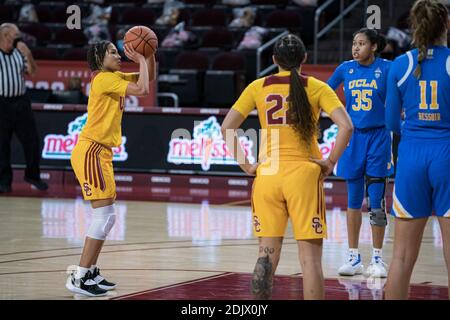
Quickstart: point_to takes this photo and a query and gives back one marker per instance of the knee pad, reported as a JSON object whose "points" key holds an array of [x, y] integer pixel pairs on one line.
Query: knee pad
{"points": [[377, 215], [103, 220]]}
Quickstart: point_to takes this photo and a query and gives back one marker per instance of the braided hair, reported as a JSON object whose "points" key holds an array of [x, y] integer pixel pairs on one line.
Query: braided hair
{"points": [[96, 54], [289, 53], [429, 20]]}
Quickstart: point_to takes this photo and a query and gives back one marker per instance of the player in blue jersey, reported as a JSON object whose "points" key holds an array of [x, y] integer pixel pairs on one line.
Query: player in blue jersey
{"points": [[419, 85], [366, 162]]}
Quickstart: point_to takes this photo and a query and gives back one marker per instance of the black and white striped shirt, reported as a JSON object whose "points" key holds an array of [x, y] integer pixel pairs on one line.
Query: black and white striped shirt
{"points": [[12, 70]]}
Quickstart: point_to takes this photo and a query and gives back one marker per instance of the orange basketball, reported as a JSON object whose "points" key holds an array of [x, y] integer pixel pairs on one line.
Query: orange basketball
{"points": [[143, 40]]}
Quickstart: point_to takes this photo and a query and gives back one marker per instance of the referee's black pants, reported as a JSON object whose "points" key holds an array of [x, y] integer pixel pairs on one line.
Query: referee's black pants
{"points": [[17, 117]]}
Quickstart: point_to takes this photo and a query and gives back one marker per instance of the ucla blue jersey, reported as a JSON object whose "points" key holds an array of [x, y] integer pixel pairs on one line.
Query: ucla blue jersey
{"points": [[365, 91], [425, 101]]}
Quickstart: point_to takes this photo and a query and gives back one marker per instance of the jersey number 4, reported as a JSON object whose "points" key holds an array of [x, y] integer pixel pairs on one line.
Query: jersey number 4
{"points": [[363, 99], [423, 95]]}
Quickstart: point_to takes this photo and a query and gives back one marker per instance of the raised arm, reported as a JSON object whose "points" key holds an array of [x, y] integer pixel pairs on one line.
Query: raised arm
{"points": [[141, 87], [151, 63], [31, 66]]}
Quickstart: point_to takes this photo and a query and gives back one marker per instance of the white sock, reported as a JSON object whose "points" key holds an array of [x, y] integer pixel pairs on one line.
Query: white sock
{"points": [[353, 251], [377, 253], [92, 268], [81, 272]]}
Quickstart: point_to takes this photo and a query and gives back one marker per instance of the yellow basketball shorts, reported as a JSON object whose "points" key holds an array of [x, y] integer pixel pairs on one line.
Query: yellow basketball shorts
{"points": [[295, 192], [92, 164]]}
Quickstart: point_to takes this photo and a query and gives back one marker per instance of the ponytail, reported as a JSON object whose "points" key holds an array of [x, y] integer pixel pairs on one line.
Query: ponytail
{"points": [[300, 115], [429, 20], [289, 54]]}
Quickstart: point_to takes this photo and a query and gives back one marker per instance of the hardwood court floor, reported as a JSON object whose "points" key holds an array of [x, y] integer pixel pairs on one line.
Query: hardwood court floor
{"points": [[157, 247]]}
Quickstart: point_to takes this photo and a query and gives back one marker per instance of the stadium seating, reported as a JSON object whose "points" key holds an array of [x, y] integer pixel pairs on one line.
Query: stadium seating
{"points": [[190, 67], [226, 80], [218, 38], [138, 16], [207, 19]]}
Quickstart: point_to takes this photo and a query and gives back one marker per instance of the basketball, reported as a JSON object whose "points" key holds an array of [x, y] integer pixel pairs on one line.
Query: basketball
{"points": [[143, 40]]}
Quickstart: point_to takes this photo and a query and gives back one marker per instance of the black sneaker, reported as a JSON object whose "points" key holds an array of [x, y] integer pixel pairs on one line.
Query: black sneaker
{"points": [[101, 282], [39, 184], [85, 285], [4, 188]]}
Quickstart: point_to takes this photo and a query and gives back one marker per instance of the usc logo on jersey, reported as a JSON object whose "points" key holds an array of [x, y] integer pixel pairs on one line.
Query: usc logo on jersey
{"points": [[87, 189], [256, 223], [317, 225]]}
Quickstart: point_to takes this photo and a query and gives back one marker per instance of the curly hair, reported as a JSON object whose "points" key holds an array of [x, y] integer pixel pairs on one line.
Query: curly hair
{"points": [[96, 54], [429, 20]]}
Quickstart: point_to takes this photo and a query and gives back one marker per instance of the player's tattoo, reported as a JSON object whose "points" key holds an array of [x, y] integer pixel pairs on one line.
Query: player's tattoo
{"points": [[262, 278], [266, 250]]}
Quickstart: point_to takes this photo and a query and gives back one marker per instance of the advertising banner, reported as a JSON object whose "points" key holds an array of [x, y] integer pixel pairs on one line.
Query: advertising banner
{"points": [[157, 142]]}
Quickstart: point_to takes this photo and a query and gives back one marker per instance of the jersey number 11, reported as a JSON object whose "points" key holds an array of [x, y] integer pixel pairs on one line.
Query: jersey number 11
{"points": [[423, 95]]}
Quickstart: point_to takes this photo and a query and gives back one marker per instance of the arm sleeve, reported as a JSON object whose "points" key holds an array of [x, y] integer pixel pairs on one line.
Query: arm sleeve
{"points": [[393, 102], [109, 82], [328, 100], [337, 77], [246, 102]]}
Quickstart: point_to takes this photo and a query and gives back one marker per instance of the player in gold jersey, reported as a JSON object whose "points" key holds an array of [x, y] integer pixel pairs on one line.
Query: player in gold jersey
{"points": [[92, 156], [289, 175]]}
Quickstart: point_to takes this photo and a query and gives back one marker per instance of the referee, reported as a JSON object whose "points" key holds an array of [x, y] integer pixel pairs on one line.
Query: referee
{"points": [[15, 108]]}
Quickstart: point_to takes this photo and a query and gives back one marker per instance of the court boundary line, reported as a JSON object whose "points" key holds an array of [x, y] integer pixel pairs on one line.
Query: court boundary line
{"points": [[142, 249], [118, 269]]}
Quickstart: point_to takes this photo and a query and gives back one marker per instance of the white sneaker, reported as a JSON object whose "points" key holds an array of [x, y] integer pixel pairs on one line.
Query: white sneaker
{"points": [[377, 268], [352, 267]]}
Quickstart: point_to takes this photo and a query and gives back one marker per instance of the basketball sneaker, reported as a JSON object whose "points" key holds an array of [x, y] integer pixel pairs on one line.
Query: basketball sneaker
{"points": [[352, 267], [377, 268], [85, 285], [102, 282]]}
